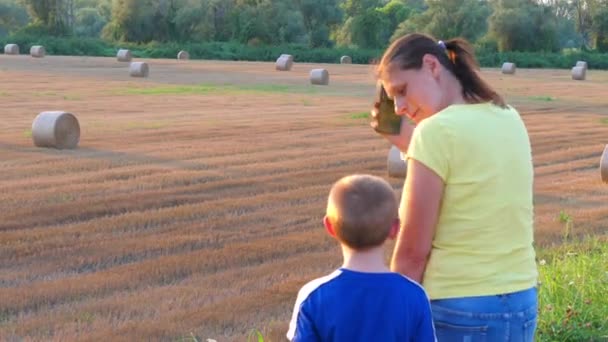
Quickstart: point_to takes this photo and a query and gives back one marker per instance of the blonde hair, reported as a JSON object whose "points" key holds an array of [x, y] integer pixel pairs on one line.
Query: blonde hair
{"points": [[362, 209]]}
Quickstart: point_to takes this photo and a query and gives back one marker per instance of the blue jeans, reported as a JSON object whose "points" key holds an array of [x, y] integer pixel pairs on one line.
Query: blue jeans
{"points": [[506, 317]]}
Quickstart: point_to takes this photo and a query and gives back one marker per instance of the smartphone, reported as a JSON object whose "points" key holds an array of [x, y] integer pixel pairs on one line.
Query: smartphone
{"points": [[388, 121]]}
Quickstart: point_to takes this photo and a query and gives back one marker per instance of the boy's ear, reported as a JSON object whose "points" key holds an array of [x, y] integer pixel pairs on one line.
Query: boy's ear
{"points": [[328, 226], [394, 229]]}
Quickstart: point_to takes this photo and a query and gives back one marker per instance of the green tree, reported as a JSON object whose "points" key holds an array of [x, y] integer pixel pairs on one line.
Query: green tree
{"points": [[352, 8], [600, 29], [369, 29], [320, 17], [446, 19], [52, 16], [523, 25], [268, 22], [193, 21], [88, 22], [140, 20], [396, 12], [12, 16], [565, 15]]}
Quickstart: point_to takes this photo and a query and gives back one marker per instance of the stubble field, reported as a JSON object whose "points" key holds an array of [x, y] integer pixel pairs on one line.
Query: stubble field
{"points": [[193, 204]]}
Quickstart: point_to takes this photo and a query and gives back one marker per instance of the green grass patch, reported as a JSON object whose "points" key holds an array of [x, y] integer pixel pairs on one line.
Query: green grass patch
{"points": [[604, 121], [542, 98], [71, 98], [203, 89], [359, 116], [573, 291], [27, 133]]}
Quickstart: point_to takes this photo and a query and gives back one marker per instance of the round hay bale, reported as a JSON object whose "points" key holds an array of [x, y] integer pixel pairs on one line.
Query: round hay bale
{"points": [[579, 73], [508, 68], [37, 51], [319, 77], [139, 69], [124, 55], [582, 64], [604, 165], [284, 62], [11, 49], [346, 60], [56, 129], [397, 167], [183, 55]]}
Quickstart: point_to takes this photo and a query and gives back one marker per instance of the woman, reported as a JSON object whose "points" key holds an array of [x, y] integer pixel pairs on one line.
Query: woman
{"points": [[466, 208]]}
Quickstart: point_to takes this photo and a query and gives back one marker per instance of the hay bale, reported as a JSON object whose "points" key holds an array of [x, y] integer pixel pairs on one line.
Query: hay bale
{"points": [[319, 77], [11, 49], [397, 167], [579, 73], [582, 64], [124, 55], [508, 68], [346, 60], [284, 62], [183, 55], [37, 51], [604, 165], [56, 129], [139, 69]]}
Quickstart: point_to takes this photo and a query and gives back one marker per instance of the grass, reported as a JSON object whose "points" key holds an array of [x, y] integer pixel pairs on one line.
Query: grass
{"points": [[224, 89], [542, 98], [254, 336], [307, 103], [567, 220], [604, 121], [573, 282], [572, 292], [27, 133], [360, 115]]}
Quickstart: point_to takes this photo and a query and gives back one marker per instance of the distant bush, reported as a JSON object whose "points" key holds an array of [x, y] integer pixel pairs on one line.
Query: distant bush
{"points": [[486, 52], [564, 60]]}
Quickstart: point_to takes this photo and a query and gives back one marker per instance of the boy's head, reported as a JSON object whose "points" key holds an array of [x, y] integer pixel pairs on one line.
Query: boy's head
{"points": [[362, 211]]}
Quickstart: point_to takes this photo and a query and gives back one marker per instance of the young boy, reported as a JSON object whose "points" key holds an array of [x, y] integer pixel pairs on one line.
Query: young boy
{"points": [[362, 300]]}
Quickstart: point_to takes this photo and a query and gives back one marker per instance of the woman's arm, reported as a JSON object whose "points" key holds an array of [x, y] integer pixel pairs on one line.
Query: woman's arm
{"points": [[419, 211]]}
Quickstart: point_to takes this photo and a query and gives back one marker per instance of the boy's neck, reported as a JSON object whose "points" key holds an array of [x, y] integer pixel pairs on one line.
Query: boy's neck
{"points": [[370, 260]]}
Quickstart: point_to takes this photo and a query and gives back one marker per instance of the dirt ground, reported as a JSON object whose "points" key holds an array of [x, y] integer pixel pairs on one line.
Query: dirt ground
{"points": [[192, 207]]}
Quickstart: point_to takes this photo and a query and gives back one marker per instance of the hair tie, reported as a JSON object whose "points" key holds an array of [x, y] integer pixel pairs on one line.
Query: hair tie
{"points": [[451, 54]]}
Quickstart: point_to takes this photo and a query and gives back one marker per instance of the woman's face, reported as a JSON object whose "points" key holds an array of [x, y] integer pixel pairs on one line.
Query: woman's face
{"points": [[417, 93]]}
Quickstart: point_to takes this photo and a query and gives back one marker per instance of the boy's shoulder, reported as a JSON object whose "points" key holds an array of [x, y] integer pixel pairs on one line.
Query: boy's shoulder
{"points": [[316, 284], [343, 279], [412, 286]]}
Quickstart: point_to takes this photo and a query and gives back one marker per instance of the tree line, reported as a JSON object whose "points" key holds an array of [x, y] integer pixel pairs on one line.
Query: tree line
{"points": [[495, 25]]}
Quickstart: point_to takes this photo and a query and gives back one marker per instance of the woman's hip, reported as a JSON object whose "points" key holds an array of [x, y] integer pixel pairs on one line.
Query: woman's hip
{"points": [[504, 317]]}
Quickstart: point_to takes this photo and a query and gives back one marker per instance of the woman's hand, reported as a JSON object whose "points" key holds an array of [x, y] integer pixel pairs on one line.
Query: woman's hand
{"points": [[402, 140]]}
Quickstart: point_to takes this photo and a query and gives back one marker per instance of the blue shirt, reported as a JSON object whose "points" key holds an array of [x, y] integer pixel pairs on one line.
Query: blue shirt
{"points": [[355, 306]]}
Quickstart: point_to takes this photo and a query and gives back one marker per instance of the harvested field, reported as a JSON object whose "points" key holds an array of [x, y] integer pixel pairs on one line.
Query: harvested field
{"points": [[193, 204]]}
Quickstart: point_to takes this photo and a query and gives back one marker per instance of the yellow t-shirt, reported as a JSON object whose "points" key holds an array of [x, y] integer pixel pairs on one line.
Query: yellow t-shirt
{"points": [[483, 239]]}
